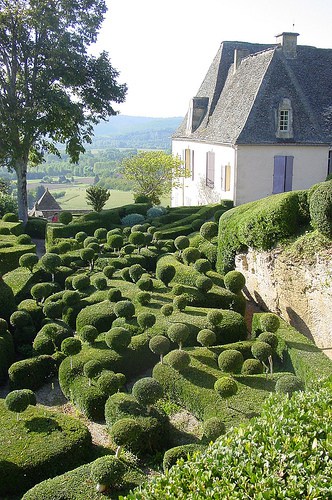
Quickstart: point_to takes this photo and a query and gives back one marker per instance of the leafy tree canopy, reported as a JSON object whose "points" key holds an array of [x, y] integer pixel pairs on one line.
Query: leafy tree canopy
{"points": [[51, 90], [154, 173]]}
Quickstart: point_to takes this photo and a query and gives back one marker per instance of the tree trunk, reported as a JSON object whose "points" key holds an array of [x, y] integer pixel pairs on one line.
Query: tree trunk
{"points": [[22, 199]]}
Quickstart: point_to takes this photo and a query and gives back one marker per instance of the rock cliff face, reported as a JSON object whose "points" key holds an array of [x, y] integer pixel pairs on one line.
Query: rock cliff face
{"points": [[299, 292]]}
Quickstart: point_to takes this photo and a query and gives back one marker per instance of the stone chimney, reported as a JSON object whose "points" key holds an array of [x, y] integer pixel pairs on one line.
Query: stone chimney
{"points": [[288, 43], [239, 54]]}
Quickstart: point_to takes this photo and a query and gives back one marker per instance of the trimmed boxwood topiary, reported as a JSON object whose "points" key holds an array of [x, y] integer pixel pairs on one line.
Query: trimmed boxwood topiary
{"points": [[118, 338], [209, 230], [261, 351], [181, 242], [28, 260], [92, 369], [204, 283], [126, 432], [147, 391], [234, 281], [288, 383], [124, 309], [88, 334], [178, 333], [159, 344], [19, 319], [81, 282], [320, 206], [17, 401], [214, 317], [80, 236], [109, 382], [146, 320], [178, 359], [269, 322], [107, 472], [31, 373], [109, 271], [252, 367], [183, 452], [114, 295], [100, 234], [135, 272], [180, 302], [202, 265], [206, 337], [143, 298], [71, 297], [190, 255], [65, 217], [100, 283], [145, 283], [213, 428], [270, 338], [230, 361], [165, 273], [225, 387]]}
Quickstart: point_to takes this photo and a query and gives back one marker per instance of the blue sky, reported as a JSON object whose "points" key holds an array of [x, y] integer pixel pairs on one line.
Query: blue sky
{"points": [[163, 48]]}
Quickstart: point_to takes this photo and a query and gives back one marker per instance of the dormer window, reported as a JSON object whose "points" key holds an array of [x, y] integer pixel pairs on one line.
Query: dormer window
{"points": [[284, 120]]}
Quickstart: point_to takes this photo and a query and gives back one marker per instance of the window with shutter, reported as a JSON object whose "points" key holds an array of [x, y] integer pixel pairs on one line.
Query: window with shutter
{"points": [[227, 177], [210, 159], [282, 174]]}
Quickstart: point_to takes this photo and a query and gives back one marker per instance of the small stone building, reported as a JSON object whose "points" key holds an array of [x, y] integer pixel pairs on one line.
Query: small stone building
{"points": [[46, 206]]}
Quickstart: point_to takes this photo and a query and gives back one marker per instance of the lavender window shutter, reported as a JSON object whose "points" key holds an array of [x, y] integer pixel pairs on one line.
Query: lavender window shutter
{"points": [[289, 173], [279, 174]]}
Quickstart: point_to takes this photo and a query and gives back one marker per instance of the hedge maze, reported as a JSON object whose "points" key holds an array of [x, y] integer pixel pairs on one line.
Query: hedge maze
{"points": [[128, 310]]}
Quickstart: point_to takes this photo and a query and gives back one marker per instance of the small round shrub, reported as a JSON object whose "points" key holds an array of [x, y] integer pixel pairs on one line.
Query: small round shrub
{"points": [[167, 310], [181, 242], [17, 401], [213, 428], [118, 338], [137, 227], [143, 298], [209, 230], [137, 238], [92, 368], [10, 217], [109, 271], [230, 361], [234, 281], [202, 266], [146, 320], [147, 391], [108, 471], [159, 345], [288, 383], [70, 297], [179, 360], [132, 219], [214, 317], [145, 283], [19, 319], [151, 229], [270, 338], [64, 247], [206, 337], [53, 310], [136, 271], [71, 346], [65, 217], [88, 334], [203, 283], [50, 262], [225, 387], [3, 326], [100, 283], [269, 322], [217, 215], [180, 302], [125, 275], [100, 234], [24, 239], [165, 273], [128, 249], [320, 207], [261, 350], [178, 289], [178, 333], [115, 241], [251, 367], [108, 383], [80, 236], [126, 432], [88, 240], [124, 309], [190, 255], [87, 254], [81, 282], [114, 295]]}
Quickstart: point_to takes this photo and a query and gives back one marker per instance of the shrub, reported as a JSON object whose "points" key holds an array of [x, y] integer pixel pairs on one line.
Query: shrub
{"points": [[92, 369], [167, 310], [261, 351], [230, 361], [88, 240], [225, 387], [126, 432], [125, 274], [269, 338], [114, 295], [17, 401], [202, 265], [64, 247], [97, 196], [23, 239], [178, 290], [213, 428], [143, 298], [320, 206], [190, 255], [137, 227], [132, 219], [40, 291], [50, 262], [147, 391], [137, 238], [165, 273], [109, 271], [118, 338], [206, 337], [214, 317], [65, 217], [100, 283], [251, 367], [31, 373], [204, 283], [180, 302], [136, 271], [100, 233], [81, 282], [88, 334], [178, 359], [155, 212], [107, 471], [115, 241], [183, 452], [19, 319], [234, 281], [146, 320], [53, 310], [10, 217], [71, 346], [88, 255], [181, 242], [196, 224], [145, 283], [124, 309], [80, 236], [209, 230], [109, 382], [70, 297], [178, 333], [159, 345], [288, 383], [269, 322]]}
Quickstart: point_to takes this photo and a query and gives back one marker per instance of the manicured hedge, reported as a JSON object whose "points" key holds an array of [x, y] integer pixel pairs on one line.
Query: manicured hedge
{"points": [[259, 224], [6, 354], [31, 373], [9, 257], [40, 445], [101, 315]]}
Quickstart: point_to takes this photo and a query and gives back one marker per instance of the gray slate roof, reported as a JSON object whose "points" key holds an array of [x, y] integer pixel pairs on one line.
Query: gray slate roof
{"points": [[47, 202], [242, 105]]}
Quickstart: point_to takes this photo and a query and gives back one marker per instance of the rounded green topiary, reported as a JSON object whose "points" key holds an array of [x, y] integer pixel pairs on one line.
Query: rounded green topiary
{"points": [[270, 338], [214, 317], [87, 254], [92, 368], [88, 334], [203, 283], [135, 272], [146, 320], [109, 271], [126, 432], [128, 249], [107, 471], [269, 322], [71, 297], [213, 428], [124, 309], [288, 383], [320, 206], [124, 273], [261, 350], [165, 273], [159, 345], [24, 239], [230, 361], [202, 266], [115, 241], [71, 346], [206, 337], [64, 247], [177, 289], [234, 281], [3, 326], [178, 359], [190, 255], [17, 401], [137, 238], [100, 234], [225, 387], [109, 383], [147, 391], [143, 298], [80, 236], [50, 262], [209, 230], [118, 338], [181, 242], [81, 282], [251, 367], [19, 319], [28, 260], [180, 302], [10, 217], [114, 295], [178, 333], [53, 310], [137, 227], [88, 240], [145, 283], [100, 283], [167, 310]]}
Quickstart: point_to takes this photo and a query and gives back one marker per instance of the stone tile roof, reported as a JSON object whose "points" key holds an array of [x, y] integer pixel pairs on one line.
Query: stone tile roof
{"points": [[47, 202], [242, 105]]}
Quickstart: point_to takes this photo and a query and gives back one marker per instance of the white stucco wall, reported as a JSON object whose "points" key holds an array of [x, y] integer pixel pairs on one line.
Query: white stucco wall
{"points": [[195, 192], [255, 164]]}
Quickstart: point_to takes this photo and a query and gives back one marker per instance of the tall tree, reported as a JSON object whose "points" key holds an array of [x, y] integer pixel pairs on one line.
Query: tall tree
{"points": [[51, 90]]}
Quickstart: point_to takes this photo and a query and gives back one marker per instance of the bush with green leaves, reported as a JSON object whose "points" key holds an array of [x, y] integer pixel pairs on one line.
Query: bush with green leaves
{"points": [[20, 319], [88, 334], [65, 217], [92, 369], [288, 384], [64, 247], [125, 433], [124, 273], [109, 271], [31, 373], [146, 320], [261, 351], [190, 255], [137, 238], [206, 337], [107, 472], [100, 234], [109, 382], [234, 281], [159, 344], [214, 317], [114, 295], [80, 236], [81, 282], [226, 387], [178, 333], [71, 346], [154, 212], [209, 230], [88, 255], [118, 338], [165, 273], [251, 367], [115, 241], [213, 428], [124, 309], [180, 302], [136, 271], [147, 391], [270, 338], [53, 310], [137, 227], [320, 206], [167, 310], [97, 196], [41, 291], [269, 322], [17, 401], [50, 263], [71, 297], [230, 361], [203, 283], [132, 219], [88, 240], [23, 239], [145, 283], [181, 242], [177, 359], [182, 452], [100, 283], [202, 265], [143, 298]]}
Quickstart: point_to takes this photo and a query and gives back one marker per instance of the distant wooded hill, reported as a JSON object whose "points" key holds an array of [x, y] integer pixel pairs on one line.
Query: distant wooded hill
{"points": [[138, 132]]}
